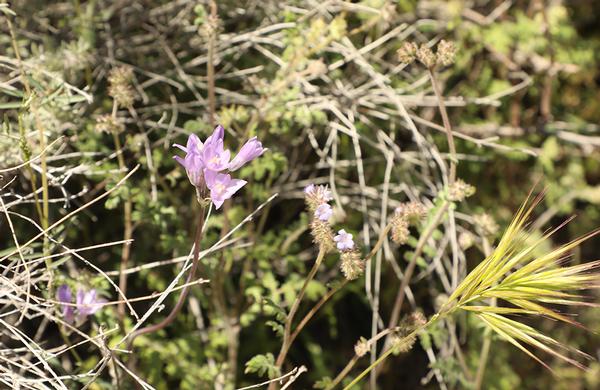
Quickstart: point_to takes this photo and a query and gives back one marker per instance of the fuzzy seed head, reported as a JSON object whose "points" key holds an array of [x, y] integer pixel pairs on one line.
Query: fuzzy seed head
{"points": [[412, 211], [418, 319], [426, 56], [407, 53], [446, 51], [322, 234], [459, 191], [486, 223], [351, 265], [400, 232], [108, 124], [465, 240], [119, 88], [361, 348], [402, 344]]}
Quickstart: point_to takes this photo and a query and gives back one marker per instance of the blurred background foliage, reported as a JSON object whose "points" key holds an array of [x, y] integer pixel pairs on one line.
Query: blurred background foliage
{"points": [[523, 94]]}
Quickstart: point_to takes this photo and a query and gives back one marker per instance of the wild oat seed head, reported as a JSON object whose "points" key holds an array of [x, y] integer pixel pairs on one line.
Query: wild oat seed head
{"points": [[459, 191], [361, 348], [407, 53], [351, 264], [446, 52], [426, 56]]}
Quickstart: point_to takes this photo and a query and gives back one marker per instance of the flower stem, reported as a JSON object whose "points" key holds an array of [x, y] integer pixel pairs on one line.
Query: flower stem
{"points": [[287, 341], [447, 126], [171, 317]]}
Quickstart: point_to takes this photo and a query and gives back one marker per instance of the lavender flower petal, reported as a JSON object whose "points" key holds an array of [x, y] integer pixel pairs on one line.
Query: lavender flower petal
{"points": [[251, 150], [221, 186]]}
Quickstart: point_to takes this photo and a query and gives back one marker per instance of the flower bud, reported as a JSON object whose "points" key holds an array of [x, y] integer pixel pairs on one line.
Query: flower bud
{"points": [[465, 240], [486, 223], [400, 232], [316, 196]]}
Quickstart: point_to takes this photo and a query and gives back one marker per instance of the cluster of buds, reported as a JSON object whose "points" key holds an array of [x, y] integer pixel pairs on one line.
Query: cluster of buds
{"points": [[109, 124], [86, 304], [465, 240], [459, 191], [444, 55], [317, 201], [351, 265], [405, 215], [486, 223], [119, 88]]}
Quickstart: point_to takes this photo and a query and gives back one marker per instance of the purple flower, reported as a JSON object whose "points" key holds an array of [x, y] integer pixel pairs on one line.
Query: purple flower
{"points": [[214, 156], [192, 162], [87, 303], [309, 188], [221, 186], [63, 294], [251, 150], [324, 212], [344, 240], [205, 163]]}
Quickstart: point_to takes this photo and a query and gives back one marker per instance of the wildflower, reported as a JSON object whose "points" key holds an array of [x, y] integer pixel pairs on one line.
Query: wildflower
{"points": [[221, 186], [88, 303], [108, 124], [413, 211], [63, 294], [465, 240], [324, 212], [251, 150], [344, 240], [316, 196], [119, 86], [206, 164], [351, 265], [486, 223]]}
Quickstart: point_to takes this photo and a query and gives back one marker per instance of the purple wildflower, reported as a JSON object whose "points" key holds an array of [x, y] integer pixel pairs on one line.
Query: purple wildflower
{"points": [[192, 162], [221, 186], [87, 303], [206, 163], [324, 212], [251, 150], [63, 294], [309, 188], [214, 156], [344, 240]]}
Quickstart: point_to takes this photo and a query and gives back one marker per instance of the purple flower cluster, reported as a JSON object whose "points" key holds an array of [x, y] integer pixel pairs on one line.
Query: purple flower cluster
{"points": [[317, 198], [206, 164], [86, 303]]}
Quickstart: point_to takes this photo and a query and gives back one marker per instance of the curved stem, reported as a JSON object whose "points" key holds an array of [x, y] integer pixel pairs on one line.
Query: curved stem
{"points": [[171, 317], [285, 346], [395, 317], [315, 309]]}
